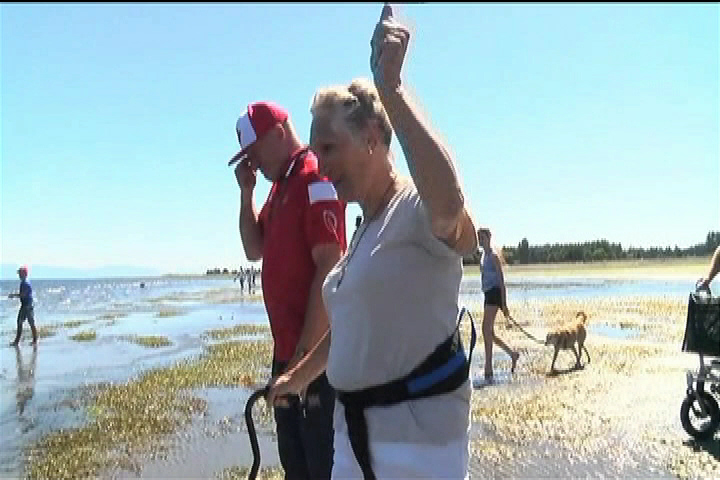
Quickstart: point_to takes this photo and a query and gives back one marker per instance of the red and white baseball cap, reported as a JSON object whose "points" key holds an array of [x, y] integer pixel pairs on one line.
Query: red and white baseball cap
{"points": [[254, 123]]}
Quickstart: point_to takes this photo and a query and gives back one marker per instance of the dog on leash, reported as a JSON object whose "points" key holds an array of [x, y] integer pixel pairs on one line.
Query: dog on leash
{"points": [[566, 337]]}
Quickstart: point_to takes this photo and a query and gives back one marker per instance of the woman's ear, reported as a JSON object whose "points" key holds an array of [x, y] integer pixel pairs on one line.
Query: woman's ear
{"points": [[374, 136]]}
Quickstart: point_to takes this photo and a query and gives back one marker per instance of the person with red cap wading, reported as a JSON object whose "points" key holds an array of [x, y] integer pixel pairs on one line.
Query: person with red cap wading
{"points": [[26, 306], [299, 234]]}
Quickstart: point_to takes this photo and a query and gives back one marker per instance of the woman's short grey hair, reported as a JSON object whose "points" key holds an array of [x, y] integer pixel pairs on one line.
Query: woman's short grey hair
{"points": [[356, 105]]}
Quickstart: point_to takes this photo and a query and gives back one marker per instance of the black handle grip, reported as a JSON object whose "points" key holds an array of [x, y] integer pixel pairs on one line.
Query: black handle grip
{"points": [[251, 430], [698, 288]]}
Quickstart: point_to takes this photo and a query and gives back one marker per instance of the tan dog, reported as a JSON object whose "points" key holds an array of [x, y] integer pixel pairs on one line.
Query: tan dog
{"points": [[566, 337]]}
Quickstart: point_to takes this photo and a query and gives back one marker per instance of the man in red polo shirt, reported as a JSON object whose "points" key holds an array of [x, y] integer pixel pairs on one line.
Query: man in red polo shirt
{"points": [[299, 234]]}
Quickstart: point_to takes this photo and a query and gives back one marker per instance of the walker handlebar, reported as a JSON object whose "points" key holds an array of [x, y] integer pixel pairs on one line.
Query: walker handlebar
{"points": [[251, 430]]}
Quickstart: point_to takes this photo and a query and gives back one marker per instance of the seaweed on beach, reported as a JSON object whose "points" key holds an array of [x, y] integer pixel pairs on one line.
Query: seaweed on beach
{"points": [[85, 336], [241, 473], [241, 329], [615, 414], [169, 313], [74, 323], [127, 420], [153, 341], [597, 415], [44, 331]]}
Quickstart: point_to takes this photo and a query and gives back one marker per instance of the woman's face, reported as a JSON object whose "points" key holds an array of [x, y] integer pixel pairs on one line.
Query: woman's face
{"points": [[341, 156]]}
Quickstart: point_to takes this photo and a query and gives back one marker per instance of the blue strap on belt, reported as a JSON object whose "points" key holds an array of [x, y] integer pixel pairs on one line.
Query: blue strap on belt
{"points": [[424, 382], [443, 371]]}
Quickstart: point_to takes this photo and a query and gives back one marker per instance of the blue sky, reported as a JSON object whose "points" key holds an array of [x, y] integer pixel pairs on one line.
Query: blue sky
{"points": [[567, 122]]}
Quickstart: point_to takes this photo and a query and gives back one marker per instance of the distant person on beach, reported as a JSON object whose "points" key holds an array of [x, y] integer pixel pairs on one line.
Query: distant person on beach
{"points": [[253, 278], [394, 351], [241, 279], [26, 311], [493, 286], [712, 270], [299, 234]]}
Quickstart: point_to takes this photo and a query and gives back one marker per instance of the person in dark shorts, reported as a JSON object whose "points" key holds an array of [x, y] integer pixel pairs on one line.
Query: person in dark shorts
{"points": [[26, 311], [493, 285], [299, 234]]}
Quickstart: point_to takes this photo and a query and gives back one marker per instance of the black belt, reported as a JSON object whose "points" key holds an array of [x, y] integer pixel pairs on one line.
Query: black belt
{"points": [[443, 371]]}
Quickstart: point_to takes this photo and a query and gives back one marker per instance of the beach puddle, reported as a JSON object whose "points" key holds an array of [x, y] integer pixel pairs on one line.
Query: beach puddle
{"points": [[616, 332], [499, 378]]}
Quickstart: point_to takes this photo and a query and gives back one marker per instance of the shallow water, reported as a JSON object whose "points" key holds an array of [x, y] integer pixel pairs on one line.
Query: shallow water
{"points": [[614, 332], [520, 289], [36, 385]]}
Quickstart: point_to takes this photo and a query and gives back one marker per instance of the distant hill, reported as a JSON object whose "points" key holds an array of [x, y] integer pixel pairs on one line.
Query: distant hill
{"points": [[8, 271]]}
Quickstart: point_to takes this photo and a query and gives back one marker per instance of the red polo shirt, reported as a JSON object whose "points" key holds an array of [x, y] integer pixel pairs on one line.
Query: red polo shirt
{"points": [[302, 210]]}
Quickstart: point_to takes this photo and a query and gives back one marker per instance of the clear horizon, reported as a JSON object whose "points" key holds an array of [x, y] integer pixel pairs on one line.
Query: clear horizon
{"points": [[568, 123]]}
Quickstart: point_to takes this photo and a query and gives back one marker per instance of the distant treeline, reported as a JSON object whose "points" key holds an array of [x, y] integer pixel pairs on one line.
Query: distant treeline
{"points": [[224, 271], [598, 250]]}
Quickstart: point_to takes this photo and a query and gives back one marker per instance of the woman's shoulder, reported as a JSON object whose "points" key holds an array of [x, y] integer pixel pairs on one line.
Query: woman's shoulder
{"points": [[407, 194], [410, 213]]}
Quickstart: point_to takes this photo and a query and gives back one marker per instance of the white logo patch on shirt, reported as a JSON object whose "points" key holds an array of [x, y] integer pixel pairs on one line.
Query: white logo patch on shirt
{"points": [[319, 191], [330, 220]]}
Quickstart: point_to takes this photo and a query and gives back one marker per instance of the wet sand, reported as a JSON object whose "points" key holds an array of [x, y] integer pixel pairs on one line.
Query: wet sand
{"points": [[619, 416], [616, 417]]}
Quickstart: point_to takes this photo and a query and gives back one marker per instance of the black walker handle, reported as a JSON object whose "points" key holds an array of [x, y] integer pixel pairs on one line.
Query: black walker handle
{"points": [[698, 288], [251, 430]]}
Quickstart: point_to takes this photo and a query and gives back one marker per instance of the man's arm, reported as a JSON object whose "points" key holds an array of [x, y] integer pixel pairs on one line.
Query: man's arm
{"points": [[295, 380], [250, 231], [713, 270], [503, 289], [316, 323]]}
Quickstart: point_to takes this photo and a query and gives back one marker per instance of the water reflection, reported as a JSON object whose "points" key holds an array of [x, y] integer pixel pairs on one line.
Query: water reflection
{"points": [[25, 387]]}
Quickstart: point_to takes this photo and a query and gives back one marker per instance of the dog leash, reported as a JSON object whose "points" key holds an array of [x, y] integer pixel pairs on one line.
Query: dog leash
{"points": [[523, 330]]}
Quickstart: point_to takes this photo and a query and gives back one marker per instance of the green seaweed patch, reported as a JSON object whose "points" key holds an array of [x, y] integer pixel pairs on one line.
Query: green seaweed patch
{"points": [[241, 473], [242, 329], [169, 313], [126, 421], [229, 364], [74, 323], [85, 336], [153, 341], [44, 331]]}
